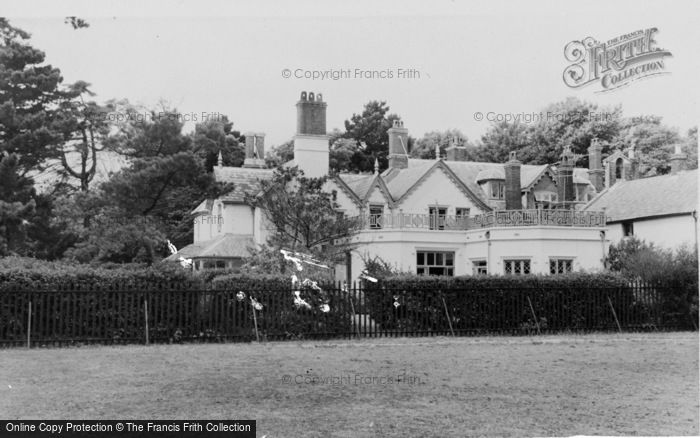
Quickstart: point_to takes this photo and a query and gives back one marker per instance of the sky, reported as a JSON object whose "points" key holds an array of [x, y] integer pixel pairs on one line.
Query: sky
{"points": [[495, 58]]}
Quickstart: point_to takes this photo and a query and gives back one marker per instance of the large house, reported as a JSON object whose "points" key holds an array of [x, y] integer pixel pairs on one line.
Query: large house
{"points": [[446, 216]]}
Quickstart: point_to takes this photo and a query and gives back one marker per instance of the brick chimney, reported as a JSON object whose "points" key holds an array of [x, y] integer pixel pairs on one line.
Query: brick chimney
{"points": [[398, 146], [678, 160], [566, 194], [311, 141], [596, 174], [455, 152], [254, 150], [513, 191]]}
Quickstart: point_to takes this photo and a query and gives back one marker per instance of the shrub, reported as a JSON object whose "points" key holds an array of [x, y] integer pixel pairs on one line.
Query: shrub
{"points": [[674, 274], [477, 303]]}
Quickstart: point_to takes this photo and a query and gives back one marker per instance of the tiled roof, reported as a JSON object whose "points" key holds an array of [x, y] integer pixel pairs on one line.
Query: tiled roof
{"points": [[655, 196], [399, 181], [358, 183], [244, 180], [227, 245]]}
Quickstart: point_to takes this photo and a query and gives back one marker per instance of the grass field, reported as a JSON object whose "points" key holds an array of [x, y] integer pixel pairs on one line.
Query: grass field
{"points": [[629, 384]]}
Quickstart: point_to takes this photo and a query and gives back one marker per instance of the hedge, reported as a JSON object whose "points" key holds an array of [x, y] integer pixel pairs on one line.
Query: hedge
{"points": [[497, 302]]}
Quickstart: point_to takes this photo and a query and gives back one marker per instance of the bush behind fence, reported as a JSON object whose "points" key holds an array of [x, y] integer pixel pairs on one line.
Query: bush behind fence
{"points": [[394, 307]]}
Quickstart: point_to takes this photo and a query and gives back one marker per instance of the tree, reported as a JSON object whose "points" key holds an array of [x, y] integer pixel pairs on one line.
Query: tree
{"points": [[85, 128], [425, 147], [16, 207], [652, 141], [31, 98], [369, 131], [303, 214], [217, 135], [502, 138], [281, 154], [573, 123], [150, 199], [673, 272], [30, 94]]}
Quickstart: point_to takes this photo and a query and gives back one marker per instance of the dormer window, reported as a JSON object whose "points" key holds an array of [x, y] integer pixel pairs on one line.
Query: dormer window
{"points": [[498, 190]]}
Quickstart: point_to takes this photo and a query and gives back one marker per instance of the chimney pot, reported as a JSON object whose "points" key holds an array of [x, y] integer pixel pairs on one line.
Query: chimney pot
{"points": [[311, 115]]}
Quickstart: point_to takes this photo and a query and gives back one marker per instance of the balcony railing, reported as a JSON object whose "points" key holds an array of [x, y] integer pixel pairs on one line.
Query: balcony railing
{"points": [[501, 218]]}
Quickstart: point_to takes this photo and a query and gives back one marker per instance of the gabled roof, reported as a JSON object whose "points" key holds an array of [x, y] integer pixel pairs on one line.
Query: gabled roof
{"points": [[204, 207], [378, 181], [648, 197], [401, 182], [244, 180], [227, 245], [359, 183]]}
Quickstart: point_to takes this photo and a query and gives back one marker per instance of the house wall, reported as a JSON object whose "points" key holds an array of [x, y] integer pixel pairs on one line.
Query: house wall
{"points": [[537, 244], [437, 187], [234, 219], [344, 202], [665, 232], [398, 247]]}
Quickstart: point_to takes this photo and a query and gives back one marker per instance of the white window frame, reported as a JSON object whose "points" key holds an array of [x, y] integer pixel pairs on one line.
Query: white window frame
{"points": [[518, 264], [425, 267], [558, 261], [477, 266]]}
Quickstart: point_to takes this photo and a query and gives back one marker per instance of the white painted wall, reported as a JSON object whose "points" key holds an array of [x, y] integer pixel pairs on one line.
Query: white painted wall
{"points": [[344, 202], [539, 244], [311, 154], [666, 232], [234, 219], [437, 187]]}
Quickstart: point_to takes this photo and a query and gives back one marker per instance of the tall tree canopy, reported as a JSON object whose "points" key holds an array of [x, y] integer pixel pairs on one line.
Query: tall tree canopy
{"points": [[425, 147], [369, 130], [217, 135], [150, 199]]}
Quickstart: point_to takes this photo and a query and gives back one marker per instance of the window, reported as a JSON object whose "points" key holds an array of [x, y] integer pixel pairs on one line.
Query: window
{"points": [[618, 169], [628, 229], [517, 267], [219, 221], [498, 190], [480, 267], [214, 264], [560, 266], [376, 213], [437, 217], [435, 263], [462, 212], [462, 217]]}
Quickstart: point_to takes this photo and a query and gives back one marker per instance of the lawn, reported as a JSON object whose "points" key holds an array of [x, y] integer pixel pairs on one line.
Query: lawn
{"points": [[629, 384]]}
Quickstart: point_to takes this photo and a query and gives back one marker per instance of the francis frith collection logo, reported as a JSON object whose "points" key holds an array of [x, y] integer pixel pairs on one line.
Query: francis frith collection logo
{"points": [[616, 62]]}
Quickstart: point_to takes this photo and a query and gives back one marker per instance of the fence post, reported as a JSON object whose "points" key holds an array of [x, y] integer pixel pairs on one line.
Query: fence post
{"points": [[352, 307], [255, 321], [532, 309], [614, 314], [449, 321], [145, 315], [29, 324]]}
